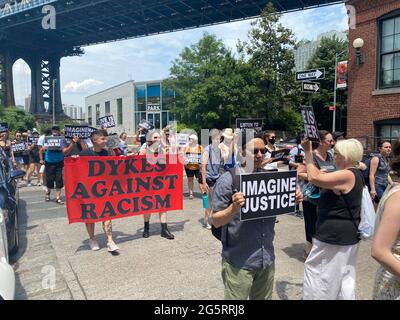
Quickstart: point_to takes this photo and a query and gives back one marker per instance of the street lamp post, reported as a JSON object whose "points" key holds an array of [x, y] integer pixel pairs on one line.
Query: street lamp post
{"points": [[335, 89]]}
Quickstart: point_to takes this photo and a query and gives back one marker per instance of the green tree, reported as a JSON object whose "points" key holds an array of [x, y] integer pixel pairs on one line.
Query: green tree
{"points": [[325, 57], [212, 87], [17, 119], [270, 52]]}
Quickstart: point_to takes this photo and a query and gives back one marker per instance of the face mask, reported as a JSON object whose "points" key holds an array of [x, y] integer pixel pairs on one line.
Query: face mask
{"points": [[272, 141]]}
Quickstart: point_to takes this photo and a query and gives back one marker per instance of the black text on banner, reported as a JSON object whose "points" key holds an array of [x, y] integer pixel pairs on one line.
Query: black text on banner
{"points": [[268, 194]]}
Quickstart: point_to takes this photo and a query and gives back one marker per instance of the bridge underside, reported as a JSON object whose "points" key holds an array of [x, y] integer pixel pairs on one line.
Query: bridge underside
{"points": [[87, 22]]}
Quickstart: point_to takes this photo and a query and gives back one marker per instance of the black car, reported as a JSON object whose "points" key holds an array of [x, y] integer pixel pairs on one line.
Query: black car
{"points": [[9, 197]]}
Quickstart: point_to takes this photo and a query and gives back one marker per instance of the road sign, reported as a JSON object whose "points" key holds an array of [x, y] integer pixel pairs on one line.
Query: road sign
{"points": [[310, 87], [314, 74], [332, 108]]}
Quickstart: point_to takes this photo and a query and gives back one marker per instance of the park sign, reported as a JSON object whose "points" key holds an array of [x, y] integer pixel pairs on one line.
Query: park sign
{"points": [[106, 122], [307, 75], [255, 124], [310, 87], [310, 123], [268, 194], [79, 131]]}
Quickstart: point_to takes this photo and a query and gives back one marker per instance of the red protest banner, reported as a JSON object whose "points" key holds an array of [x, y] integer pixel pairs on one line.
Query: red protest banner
{"points": [[105, 188]]}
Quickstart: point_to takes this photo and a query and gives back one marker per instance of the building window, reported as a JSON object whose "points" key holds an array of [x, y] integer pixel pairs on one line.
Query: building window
{"points": [[107, 105], [168, 98], [141, 97], [97, 112], [390, 52], [154, 97], [119, 111], [90, 115], [387, 130]]}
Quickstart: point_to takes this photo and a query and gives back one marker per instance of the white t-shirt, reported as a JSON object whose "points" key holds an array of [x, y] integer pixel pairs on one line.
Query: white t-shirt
{"points": [[41, 140]]}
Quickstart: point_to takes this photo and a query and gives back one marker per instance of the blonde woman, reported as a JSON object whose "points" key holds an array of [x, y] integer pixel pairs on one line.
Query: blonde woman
{"points": [[386, 245], [330, 269]]}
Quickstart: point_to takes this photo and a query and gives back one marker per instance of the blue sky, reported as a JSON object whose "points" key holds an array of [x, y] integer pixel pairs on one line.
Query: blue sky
{"points": [[150, 58]]}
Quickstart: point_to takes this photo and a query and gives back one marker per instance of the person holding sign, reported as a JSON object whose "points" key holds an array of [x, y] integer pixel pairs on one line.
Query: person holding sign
{"points": [[247, 246], [270, 162], [152, 149], [330, 269], [228, 150], [211, 165], [18, 147], [99, 141], [192, 162], [34, 158], [325, 161], [53, 159]]}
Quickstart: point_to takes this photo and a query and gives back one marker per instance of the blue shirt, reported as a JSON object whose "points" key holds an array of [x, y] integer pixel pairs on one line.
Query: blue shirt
{"points": [[245, 244], [55, 156]]}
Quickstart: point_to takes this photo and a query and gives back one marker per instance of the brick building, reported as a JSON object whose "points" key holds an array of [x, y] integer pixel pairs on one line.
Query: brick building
{"points": [[374, 84]]}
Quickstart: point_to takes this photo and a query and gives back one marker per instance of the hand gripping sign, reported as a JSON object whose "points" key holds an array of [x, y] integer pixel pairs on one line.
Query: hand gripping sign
{"points": [[268, 194], [104, 188]]}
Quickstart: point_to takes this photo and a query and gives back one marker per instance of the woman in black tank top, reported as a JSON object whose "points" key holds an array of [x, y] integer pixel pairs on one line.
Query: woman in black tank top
{"points": [[330, 267]]}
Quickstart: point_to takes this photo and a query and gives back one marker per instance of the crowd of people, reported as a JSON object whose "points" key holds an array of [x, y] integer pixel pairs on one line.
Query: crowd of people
{"points": [[331, 177]]}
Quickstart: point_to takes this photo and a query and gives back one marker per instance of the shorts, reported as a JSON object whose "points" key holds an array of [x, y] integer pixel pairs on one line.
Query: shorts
{"points": [[19, 160], [192, 173], [34, 158], [25, 158], [54, 174]]}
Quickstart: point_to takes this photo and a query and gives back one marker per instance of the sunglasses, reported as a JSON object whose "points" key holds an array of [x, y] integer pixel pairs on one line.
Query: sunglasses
{"points": [[256, 151]]}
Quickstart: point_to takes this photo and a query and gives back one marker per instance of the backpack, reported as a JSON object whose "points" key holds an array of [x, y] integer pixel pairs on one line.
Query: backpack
{"points": [[217, 232]]}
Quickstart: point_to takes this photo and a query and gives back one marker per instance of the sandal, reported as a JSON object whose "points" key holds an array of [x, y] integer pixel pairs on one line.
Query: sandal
{"points": [[47, 197], [59, 201], [191, 197]]}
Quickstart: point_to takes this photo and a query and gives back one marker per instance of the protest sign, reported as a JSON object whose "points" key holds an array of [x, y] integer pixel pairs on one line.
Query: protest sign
{"points": [[144, 124], [112, 141], [19, 147], [310, 123], [33, 140], [268, 194], [100, 189], [79, 131], [279, 155], [3, 127], [255, 124], [106, 122], [182, 140], [53, 143], [193, 158]]}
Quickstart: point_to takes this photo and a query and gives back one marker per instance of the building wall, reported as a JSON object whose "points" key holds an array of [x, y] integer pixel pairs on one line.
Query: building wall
{"points": [[366, 103], [125, 91]]}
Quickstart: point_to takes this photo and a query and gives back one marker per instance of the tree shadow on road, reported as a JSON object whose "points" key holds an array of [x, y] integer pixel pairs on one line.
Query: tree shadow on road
{"points": [[121, 237], [295, 251]]}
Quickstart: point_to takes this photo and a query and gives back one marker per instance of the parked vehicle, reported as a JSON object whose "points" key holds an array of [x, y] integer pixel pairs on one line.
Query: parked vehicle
{"points": [[9, 197], [7, 276]]}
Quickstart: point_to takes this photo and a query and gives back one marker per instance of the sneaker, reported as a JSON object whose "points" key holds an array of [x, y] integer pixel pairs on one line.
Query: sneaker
{"points": [[208, 226], [29, 185], [111, 246], [94, 246], [39, 184]]}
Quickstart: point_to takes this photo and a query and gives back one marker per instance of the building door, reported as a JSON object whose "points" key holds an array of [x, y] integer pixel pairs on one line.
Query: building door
{"points": [[155, 119]]}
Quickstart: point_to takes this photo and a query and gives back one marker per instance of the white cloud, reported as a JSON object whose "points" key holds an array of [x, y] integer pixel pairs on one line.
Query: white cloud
{"points": [[81, 87]]}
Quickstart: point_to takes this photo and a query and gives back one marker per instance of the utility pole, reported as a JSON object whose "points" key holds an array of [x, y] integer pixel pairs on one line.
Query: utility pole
{"points": [[54, 106]]}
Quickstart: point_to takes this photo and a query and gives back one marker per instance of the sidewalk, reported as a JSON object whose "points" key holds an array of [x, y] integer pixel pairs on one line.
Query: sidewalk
{"points": [[155, 268]]}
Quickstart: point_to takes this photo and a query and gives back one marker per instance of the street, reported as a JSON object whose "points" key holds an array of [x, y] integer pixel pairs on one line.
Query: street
{"points": [[55, 262]]}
